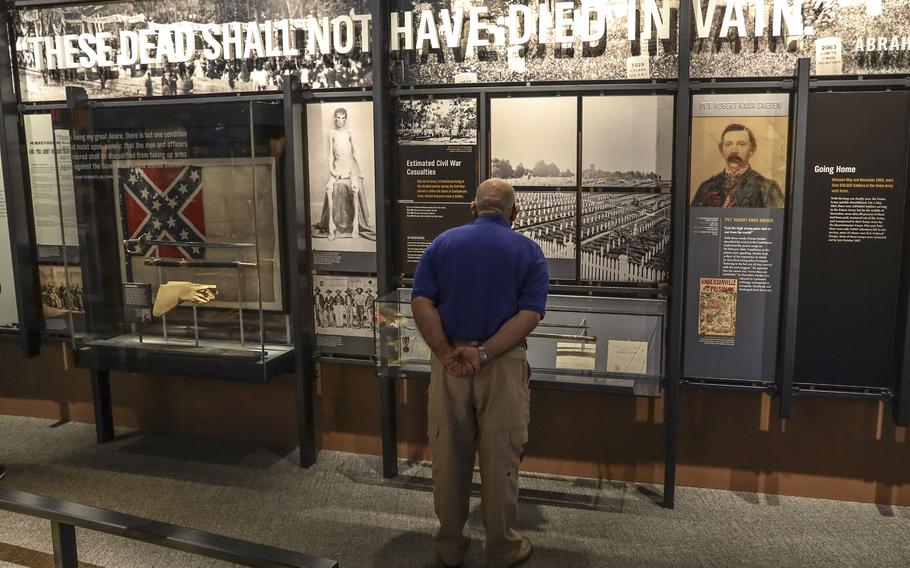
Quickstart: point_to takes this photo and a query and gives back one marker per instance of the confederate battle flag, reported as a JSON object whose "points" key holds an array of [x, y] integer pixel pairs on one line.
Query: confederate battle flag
{"points": [[164, 203]]}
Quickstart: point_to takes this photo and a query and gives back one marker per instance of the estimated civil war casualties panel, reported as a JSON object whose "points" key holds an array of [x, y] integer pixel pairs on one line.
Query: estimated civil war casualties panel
{"points": [[736, 230], [855, 196], [437, 171]]}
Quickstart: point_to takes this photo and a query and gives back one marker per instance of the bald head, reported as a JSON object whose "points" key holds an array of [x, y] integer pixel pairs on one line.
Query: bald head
{"points": [[495, 197]]}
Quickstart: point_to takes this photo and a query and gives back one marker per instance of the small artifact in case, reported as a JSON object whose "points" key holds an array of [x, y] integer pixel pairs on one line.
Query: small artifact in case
{"points": [[172, 293]]}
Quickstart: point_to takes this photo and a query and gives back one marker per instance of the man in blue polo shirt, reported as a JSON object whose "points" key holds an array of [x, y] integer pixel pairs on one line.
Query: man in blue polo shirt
{"points": [[479, 291]]}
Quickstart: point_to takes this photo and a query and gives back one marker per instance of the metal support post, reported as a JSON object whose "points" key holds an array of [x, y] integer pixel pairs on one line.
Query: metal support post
{"points": [[64, 539], [901, 408], [389, 426], [298, 239], [101, 399], [383, 119], [680, 211], [787, 351], [16, 184]]}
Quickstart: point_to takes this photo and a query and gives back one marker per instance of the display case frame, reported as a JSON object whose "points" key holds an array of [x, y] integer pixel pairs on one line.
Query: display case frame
{"points": [[786, 386], [297, 221], [396, 322], [668, 381], [14, 172], [100, 362], [100, 353]]}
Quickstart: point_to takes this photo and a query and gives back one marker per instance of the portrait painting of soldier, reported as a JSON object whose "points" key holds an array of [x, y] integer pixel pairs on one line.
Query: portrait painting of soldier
{"points": [[739, 161]]}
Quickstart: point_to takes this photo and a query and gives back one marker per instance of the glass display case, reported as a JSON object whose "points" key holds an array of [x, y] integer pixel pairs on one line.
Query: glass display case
{"points": [[588, 343], [179, 265]]}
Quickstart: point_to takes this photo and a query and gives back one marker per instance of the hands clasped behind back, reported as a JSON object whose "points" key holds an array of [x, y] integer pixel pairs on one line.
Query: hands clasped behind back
{"points": [[462, 361]]}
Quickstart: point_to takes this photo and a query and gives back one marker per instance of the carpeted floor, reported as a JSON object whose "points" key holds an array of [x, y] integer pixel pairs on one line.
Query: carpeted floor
{"points": [[342, 509]]}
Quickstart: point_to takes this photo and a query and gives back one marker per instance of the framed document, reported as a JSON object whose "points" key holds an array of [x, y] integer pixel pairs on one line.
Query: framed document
{"points": [[627, 356]]}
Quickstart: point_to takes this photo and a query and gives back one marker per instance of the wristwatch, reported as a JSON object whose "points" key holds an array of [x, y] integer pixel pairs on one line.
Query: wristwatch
{"points": [[483, 355]]}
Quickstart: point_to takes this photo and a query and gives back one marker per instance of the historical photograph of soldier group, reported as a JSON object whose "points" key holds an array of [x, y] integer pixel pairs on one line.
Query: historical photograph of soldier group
{"points": [[61, 290], [627, 142], [534, 141], [344, 305], [436, 121]]}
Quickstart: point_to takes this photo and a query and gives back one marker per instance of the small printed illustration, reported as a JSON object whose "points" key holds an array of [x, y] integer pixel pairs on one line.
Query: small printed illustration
{"points": [[717, 307]]}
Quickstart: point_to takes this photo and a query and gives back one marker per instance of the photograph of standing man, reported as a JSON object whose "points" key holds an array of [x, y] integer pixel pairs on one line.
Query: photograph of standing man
{"points": [[342, 188], [345, 210], [738, 185], [479, 291]]}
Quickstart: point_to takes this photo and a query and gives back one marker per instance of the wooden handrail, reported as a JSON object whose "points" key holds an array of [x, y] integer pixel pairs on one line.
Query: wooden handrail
{"points": [[64, 516]]}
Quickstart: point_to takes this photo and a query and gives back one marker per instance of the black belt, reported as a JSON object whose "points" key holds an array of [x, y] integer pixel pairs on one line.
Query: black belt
{"points": [[524, 343]]}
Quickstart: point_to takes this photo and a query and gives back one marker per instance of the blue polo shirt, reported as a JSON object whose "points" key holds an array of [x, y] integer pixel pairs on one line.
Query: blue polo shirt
{"points": [[480, 275]]}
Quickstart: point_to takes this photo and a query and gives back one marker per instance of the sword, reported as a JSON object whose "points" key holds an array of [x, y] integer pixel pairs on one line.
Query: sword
{"points": [[190, 263], [583, 338], [135, 246]]}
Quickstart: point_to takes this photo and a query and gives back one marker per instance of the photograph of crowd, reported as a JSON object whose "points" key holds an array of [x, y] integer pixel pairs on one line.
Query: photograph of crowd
{"points": [[200, 75], [534, 153], [604, 59], [548, 218], [436, 121], [340, 157], [852, 22], [344, 305], [625, 237], [627, 141], [61, 290]]}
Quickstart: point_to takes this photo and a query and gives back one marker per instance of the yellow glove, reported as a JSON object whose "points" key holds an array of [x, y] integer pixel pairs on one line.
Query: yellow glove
{"points": [[172, 293]]}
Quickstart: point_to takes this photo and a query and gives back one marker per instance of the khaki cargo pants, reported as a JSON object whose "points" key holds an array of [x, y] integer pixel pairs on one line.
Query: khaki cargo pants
{"points": [[489, 412]]}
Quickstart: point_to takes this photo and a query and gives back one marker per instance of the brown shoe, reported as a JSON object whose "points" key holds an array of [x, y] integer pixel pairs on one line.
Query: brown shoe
{"points": [[523, 553]]}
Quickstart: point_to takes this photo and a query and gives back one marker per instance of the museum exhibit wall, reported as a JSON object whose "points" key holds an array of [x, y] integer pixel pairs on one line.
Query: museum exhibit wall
{"points": [[595, 176], [832, 449]]}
